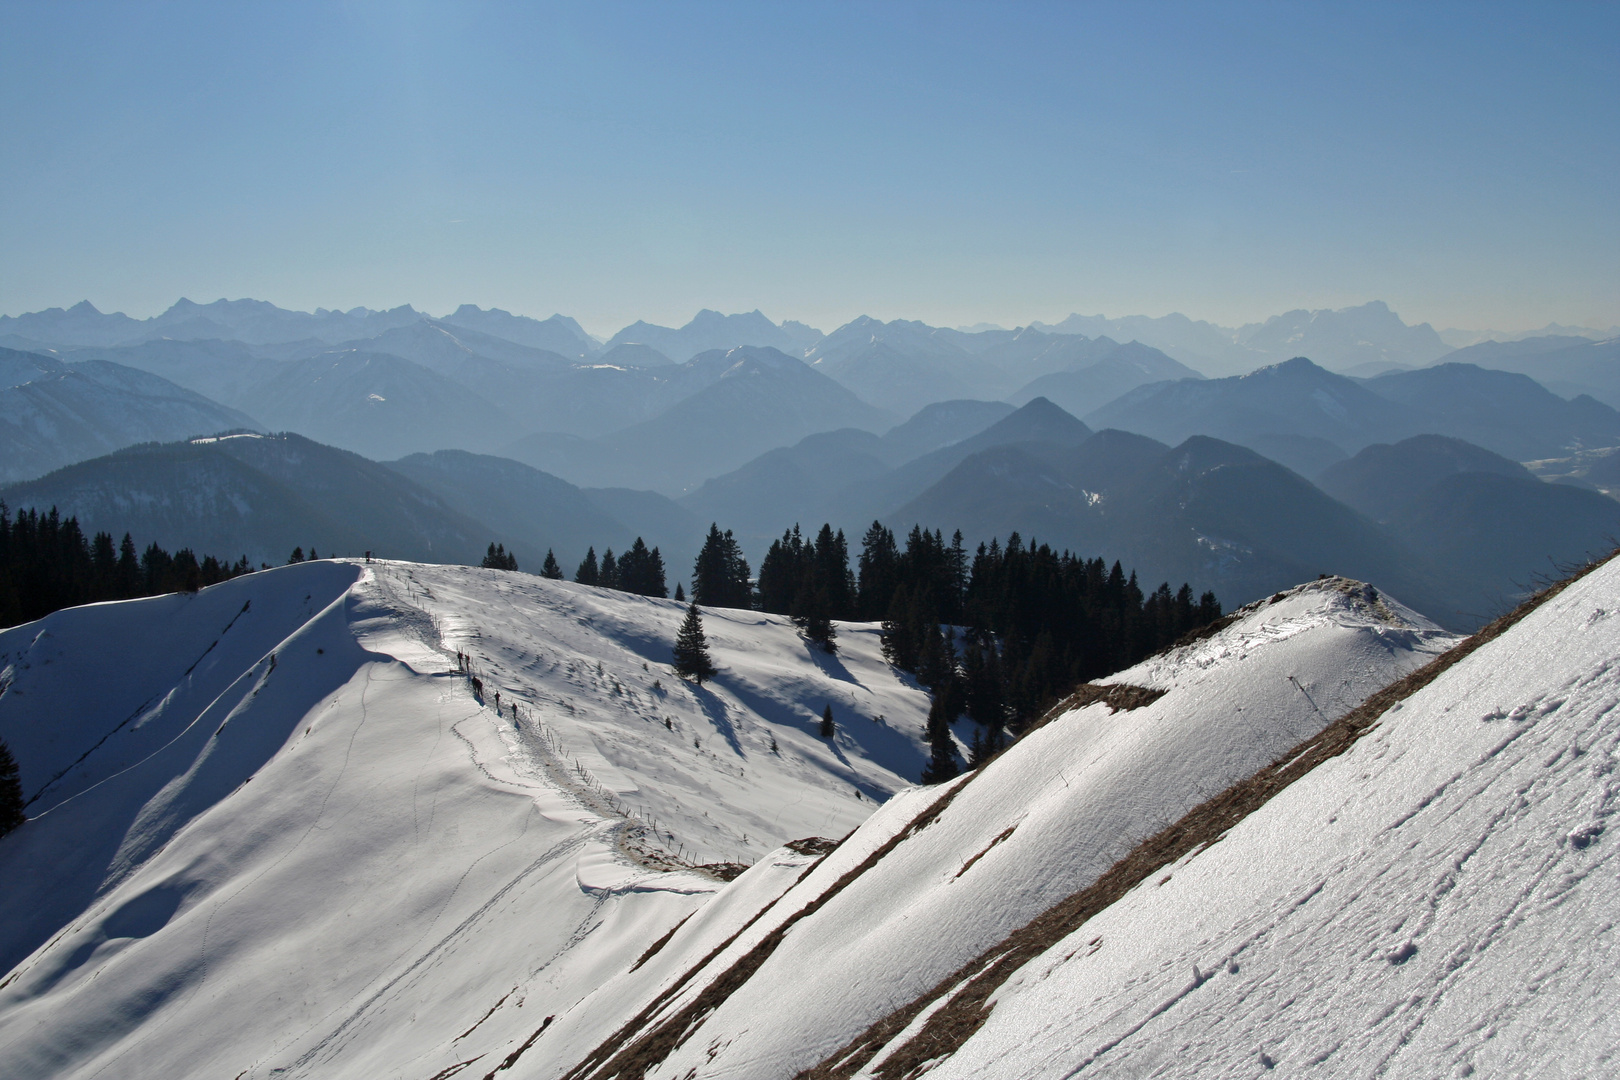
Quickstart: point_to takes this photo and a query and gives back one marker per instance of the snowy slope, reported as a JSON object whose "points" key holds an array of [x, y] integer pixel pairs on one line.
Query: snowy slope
{"points": [[958, 868], [1438, 901], [281, 836]]}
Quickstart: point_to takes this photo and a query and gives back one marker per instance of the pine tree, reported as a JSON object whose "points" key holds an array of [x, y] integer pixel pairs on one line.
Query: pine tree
{"points": [[549, 568], [781, 573], [720, 573], [641, 571], [497, 558], [47, 563], [941, 747], [129, 568], [11, 796], [828, 728], [587, 574], [810, 616], [692, 659], [878, 566]]}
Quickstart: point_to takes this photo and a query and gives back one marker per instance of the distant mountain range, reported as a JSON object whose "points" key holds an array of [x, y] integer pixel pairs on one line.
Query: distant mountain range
{"points": [[53, 414], [256, 495], [1468, 543], [264, 495], [710, 330], [1458, 528], [742, 402], [1348, 338], [1568, 366], [1309, 416], [756, 425]]}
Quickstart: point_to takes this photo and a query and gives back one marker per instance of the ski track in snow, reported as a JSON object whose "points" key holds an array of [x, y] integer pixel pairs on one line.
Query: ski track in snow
{"points": [[1451, 914], [1041, 821], [339, 863], [364, 872]]}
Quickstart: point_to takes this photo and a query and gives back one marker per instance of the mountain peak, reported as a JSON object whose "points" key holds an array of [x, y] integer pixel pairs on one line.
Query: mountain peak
{"points": [[1296, 368]]}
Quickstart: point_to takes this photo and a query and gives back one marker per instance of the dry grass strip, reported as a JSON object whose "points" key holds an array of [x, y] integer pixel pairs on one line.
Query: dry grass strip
{"points": [[626, 1055], [967, 1010]]}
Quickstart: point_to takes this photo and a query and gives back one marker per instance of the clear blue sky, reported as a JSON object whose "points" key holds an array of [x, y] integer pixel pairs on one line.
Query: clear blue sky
{"points": [[954, 163]]}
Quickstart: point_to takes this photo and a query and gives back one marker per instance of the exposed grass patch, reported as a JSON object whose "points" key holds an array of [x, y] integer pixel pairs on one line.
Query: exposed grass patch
{"points": [[633, 1049], [971, 986]]}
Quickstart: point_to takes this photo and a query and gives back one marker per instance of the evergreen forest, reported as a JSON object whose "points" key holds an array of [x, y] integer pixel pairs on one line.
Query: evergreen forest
{"points": [[999, 635], [47, 563]]}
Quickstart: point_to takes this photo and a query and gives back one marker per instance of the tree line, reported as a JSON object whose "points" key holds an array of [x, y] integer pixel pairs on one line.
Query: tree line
{"points": [[998, 635], [47, 563]]}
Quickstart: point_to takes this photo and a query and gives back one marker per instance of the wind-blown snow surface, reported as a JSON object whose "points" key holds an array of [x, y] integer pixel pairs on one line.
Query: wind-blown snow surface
{"points": [[1439, 901], [1043, 820], [283, 838]]}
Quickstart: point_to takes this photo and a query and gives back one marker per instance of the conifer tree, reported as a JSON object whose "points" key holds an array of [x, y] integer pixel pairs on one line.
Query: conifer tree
{"points": [[941, 747], [810, 616], [608, 575], [129, 568], [296, 556], [641, 571], [549, 568], [11, 796], [828, 728], [781, 572], [587, 574], [47, 563], [692, 659], [720, 573], [498, 558], [680, 593], [878, 578]]}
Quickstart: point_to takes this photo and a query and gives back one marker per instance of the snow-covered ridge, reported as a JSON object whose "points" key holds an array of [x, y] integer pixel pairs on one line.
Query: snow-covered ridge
{"points": [[1043, 820], [1437, 901], [280, 835]]}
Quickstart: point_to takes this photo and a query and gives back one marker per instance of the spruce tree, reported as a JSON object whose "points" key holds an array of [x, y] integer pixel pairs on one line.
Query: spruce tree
{"points": [[641, 571], [587, 573], [549, 568], [608, 575], [497, 558], [941, 747], [11, 797], [654, 576], [878, 567], [129, 568], [810, 616], [680, 594], [828, 728], [296, 556], [692, 659], [720, 573]]}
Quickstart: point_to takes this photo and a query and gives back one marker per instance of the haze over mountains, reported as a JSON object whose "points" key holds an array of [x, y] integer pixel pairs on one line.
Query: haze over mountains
{"points": [[532, 433]]}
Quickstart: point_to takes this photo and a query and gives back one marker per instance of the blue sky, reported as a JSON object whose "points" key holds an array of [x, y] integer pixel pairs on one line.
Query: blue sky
{"points": [[948, 162]]}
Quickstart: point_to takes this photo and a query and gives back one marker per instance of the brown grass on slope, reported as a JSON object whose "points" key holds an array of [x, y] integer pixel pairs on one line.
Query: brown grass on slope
{"points": [[973, 984]]}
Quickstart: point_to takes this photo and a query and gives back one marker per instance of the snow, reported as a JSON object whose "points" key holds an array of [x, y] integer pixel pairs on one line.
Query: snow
{"points": [[284, 837], [338, 863], [1043, 820], [203, 441], [1439, 901]]}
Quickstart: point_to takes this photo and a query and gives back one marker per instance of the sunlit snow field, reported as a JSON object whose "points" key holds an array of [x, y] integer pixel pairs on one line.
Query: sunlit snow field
{"points": [[286, 834]]}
